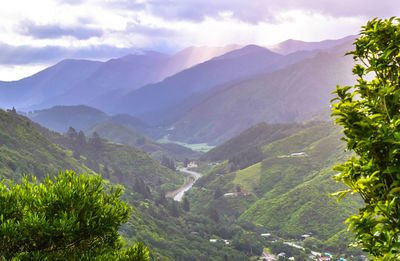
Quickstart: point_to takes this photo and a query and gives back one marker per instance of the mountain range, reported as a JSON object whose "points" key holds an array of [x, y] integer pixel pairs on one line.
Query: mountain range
{"points": [[198, 95], [291, 94], [79, 81], [265, 110]]}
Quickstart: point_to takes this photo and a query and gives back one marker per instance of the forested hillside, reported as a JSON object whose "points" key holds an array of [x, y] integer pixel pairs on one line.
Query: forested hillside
{"points": [[293, 94], [24, 150], [286, 192], [165, 226]]}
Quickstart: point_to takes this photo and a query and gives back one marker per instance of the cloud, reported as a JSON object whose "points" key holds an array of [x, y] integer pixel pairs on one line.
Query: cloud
{"points": [[256, 11], [71, 2], [53, 31], [149, 31], [18, 55]]}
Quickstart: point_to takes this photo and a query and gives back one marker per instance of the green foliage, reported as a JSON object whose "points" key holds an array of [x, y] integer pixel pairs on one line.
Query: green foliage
{"points": [[168, 162], [119, 133], [69, 217], [25, 150], [257, 135], [369, 114], [119, 163], [246, 158], [289, 195]]}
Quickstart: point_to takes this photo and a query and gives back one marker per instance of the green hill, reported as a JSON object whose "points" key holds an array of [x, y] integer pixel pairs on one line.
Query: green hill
{"points": [[257, 135], [120, 134], [82, 117], [287, 95], [160, 223], [24, 150], [28, 148], [287, 193]]}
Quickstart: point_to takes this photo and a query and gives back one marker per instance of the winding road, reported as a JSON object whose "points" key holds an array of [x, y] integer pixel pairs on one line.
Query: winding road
{"points": [[181, 191]]}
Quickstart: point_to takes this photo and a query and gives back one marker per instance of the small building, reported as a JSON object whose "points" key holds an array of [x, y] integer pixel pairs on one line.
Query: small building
{"points": [[299, 154], [192, 165], [229, 194], [213, 240], [265, 235], [324, 258]]}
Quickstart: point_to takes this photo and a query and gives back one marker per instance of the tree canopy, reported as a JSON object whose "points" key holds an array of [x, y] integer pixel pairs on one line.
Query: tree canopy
{"points": [[69, 217], [369, 112]]}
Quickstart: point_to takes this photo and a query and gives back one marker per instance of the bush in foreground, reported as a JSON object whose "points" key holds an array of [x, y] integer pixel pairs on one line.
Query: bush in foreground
{"points": [[72, 217]]}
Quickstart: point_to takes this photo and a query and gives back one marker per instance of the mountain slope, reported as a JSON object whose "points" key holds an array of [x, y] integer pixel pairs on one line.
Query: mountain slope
{"points": [[257, 135], [46, 84], [291, 46], [287, 194], [81, 117], [131, 72], [120, 134], [24, 150], [287, 95], [164, 101], [60, 118]]}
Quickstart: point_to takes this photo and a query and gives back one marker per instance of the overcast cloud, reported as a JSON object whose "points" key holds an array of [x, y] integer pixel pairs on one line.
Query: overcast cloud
{"points": [[52, 31], [42, 32]]}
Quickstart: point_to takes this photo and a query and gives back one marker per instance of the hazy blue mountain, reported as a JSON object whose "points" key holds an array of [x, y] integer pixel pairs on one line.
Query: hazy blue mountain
{"points": [[119, 133], [291, 46], [194, 55], [165, 101], [81, 117], [129, 72], [46, 84], [60, 118], [286, 95]]}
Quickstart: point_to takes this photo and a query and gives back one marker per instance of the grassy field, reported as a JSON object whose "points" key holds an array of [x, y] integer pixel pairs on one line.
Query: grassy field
{"points": [[201, 147]]}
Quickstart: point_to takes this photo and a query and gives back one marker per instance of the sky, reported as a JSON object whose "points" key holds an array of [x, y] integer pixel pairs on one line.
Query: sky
{"points": [[36, 34]]}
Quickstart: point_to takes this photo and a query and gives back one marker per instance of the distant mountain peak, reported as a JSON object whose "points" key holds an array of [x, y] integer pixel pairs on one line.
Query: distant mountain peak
{"points": [[247, 50], [292, 45], [143, 55]]}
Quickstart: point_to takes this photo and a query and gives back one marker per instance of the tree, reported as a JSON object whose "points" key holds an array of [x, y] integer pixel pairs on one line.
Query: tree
{"points": [[96, 142], [71, 133], [186, 204], [369, 112], [70, 217], [213, 213], [168, 162], [81, 139], [218, 193], [238, 188], [186, 162]]}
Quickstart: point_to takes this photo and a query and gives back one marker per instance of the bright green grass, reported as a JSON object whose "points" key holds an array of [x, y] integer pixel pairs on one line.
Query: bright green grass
{"points": [[249, 178], [201, 147]]}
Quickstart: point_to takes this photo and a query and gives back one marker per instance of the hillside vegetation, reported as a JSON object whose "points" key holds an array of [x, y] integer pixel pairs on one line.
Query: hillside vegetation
{"points": [[120, 134], [24, 150], [293, 94], [287, 192], [162, 224]]}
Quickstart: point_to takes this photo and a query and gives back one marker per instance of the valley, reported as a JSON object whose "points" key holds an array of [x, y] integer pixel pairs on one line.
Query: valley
{"points": [[224, 153]]}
